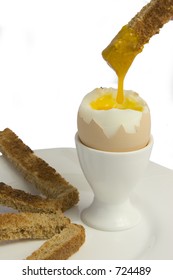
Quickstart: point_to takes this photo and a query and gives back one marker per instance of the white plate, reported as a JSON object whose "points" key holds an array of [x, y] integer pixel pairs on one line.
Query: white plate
{"points": [[151, 239]]}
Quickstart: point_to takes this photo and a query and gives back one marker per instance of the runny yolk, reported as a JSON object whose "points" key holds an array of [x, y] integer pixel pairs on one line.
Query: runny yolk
{"points": [[108, 101], [120, 54]]}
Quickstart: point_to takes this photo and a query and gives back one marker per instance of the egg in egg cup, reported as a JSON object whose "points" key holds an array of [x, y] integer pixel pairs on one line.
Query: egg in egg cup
{"points": [[113, 157]]}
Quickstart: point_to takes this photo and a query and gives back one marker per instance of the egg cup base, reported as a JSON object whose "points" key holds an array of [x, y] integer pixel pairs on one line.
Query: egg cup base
{"points": [[107, 217]]}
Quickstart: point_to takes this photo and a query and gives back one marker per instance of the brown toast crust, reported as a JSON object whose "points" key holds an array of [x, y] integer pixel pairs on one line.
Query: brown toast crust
{"points": [[36, 170], [27, 225], [62, 245], [150, 19], [26, 202]]}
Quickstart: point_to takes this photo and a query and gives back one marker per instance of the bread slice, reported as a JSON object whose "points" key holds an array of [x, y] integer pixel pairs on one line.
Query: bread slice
{"points": [[130, 40], [14, 226], [26, 202], [150, 19], [62, 245], [36, 170]]}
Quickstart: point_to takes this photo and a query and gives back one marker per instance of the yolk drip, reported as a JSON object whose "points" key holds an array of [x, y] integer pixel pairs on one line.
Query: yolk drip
{"points": [[120, 54], [108, 101]]}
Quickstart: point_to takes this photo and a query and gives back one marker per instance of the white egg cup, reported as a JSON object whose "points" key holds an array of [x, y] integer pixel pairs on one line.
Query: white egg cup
{"points": [[112, 177]]}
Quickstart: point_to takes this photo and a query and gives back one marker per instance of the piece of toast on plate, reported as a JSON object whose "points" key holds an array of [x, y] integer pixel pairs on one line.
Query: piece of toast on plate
{"points": [[62, 245], [27, 225], [26, 202], [37, 171]]}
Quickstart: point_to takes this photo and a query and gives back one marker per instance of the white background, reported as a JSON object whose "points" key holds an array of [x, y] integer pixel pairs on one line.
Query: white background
{"points": [[50, 57]]}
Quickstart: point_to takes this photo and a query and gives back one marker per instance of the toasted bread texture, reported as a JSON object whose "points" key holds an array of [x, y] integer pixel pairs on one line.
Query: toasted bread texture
{"points": [[26, 225], [38, 172], [26, 202], [150, 19], [39, 217], [62, 245]]}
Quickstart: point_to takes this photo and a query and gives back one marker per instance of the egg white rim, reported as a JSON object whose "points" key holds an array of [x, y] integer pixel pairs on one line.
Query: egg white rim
{"points": [[127, 118]]}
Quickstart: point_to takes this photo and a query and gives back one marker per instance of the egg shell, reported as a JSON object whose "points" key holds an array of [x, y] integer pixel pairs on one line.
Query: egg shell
{"points": [[113, 130]]}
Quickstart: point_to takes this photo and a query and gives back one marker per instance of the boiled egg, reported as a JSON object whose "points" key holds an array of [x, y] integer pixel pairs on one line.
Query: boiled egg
{"points": [[106, 125]]}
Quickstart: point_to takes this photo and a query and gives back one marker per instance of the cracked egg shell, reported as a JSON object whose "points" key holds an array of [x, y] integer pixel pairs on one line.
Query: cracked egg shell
{"points": [[114, 130]]}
